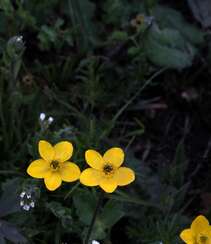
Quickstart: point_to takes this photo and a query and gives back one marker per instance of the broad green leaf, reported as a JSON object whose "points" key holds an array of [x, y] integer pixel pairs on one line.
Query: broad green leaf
{"points": [[11, 233], [112, 213], [85, 203], [167, 48], [9, 201], [62, 213], [167, 37], [171, 18]]}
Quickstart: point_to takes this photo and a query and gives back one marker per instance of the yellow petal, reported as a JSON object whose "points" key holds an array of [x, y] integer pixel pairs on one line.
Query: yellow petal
{"points": [[69, 172], [115, 156], [94, 159], [63, 151], [38, 168], [124, 176], [200, 225], [53, 180], [187, 236], [109, 185], [46, 150], [91, 177]]}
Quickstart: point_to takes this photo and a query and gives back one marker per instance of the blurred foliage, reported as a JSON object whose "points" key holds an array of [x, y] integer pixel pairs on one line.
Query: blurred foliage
{"points": [[95, 67], [201, 11]]}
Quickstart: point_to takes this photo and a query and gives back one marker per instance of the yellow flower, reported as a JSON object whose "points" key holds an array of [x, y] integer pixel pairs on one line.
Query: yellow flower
{"points": [[105, 170], [53, 165], [199, 232], [138, 21]]}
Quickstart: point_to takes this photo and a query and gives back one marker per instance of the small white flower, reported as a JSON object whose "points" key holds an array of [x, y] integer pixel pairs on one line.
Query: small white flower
{"points": [[27, 200], [95, 242], [50, 120], [21, 203], [26, 207], [42, 116], [19, 38], [22, 194], [28, 196], [32, 204]]}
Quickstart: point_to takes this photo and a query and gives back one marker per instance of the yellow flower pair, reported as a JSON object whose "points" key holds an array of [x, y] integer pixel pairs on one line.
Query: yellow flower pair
{"points": [[199, 232], [54, 166]]}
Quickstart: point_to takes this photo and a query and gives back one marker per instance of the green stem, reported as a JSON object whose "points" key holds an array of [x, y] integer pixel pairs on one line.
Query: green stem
{"points": [[72, 190], [130, 101], [58, 234], [94, 218]]}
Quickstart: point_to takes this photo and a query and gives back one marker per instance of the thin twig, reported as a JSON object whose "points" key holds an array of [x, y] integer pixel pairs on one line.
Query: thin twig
{"points": [[94, 218]]}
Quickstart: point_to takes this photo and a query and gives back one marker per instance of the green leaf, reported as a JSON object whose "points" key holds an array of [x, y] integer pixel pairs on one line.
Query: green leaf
{"points": [[167, 37], [81, 13], [9, 201], [170, 18], [167, 48], [99, 230], [179, 165], [119, 36], [115, 11], [47, 36], [62, 213], [112, 213], [149, 4], [133, 51], [10, 232], [3, 29], [27, 19], [6, 6], [85, 203]]}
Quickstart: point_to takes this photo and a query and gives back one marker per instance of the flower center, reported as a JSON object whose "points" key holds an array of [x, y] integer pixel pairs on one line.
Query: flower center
{"points": [[54, 165], [108, 169]]}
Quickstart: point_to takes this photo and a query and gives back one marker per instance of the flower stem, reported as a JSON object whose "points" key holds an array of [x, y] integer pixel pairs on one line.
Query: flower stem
{"points": [[72, 190], [94, 218]]}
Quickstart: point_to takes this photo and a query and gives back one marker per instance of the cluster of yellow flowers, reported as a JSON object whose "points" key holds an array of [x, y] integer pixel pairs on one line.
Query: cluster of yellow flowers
{"points": [[54, 167], [105, 171]]}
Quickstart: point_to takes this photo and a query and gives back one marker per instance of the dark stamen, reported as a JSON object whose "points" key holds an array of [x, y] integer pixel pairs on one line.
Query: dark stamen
{"points": [[54, 165], [203, 239], [107, 168]]}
